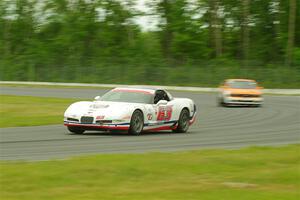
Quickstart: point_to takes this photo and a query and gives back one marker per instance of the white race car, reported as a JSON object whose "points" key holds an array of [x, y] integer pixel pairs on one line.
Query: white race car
{"points": [[132, 110]]}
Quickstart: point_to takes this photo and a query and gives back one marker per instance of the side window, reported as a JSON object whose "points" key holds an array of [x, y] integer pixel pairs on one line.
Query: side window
{"points": [[166, 97], [169, 96], [160, 95]]}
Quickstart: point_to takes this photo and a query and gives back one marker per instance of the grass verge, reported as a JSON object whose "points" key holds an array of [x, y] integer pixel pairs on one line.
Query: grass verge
{"points": [[248, 174], [109, 88], [54, 86], [31, 111]]}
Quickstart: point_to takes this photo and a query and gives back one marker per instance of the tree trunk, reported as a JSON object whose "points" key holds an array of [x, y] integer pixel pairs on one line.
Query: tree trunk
{"points": [[277, 34], [245, 32], [168, 34], [216, 27], [291, 33]]}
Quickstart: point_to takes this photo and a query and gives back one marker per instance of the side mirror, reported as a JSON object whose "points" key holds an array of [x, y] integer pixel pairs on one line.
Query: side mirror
{"points": [[162, 102], [97, 98]]}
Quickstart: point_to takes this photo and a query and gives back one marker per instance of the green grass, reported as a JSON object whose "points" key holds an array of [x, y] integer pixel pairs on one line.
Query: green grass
{"points": [[204, 74], [31, 111], [201, 75], [247, 174], [54, 86]]}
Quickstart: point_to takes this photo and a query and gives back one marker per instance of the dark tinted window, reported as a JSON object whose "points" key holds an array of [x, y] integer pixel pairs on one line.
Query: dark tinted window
{"points": [[242, 84], [160, 95]]}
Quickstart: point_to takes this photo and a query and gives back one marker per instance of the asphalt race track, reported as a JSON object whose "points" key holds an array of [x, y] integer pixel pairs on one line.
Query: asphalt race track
{"points": [[276, 123]]}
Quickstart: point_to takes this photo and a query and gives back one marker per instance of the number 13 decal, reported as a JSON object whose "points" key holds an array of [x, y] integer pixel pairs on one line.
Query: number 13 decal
{"points": [[164, 113]]}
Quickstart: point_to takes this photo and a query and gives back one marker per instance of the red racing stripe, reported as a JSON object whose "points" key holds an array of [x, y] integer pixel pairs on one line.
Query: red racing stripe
{"points": [[161, 128], [100, 127], [128, 90]]}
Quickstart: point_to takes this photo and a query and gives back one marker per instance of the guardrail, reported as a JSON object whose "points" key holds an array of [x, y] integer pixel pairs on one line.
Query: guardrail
{"points": [[178, 88]]}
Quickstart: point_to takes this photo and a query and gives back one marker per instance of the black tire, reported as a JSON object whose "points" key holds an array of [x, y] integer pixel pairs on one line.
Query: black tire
{"points": [[75, 130], [221, 103], [136, 123], [183, 121]]}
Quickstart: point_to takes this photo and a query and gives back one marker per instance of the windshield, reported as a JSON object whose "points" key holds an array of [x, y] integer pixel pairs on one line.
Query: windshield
{"points": [[128, 96], [242, 84]]}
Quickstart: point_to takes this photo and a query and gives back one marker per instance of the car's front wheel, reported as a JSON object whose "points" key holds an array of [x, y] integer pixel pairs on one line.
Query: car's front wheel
{"points": [[221, 102], [75, 130], [136, 123], [183, 122]]}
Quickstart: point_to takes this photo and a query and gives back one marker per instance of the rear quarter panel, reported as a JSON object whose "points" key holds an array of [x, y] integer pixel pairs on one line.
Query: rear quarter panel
{"points": [[181, 103]]}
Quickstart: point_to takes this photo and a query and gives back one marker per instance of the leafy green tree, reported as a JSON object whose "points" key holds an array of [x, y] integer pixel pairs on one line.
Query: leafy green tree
{"points": [[199, 42]]}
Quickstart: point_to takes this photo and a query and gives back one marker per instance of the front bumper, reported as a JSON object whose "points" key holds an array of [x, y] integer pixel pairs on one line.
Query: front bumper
{"points": [[243, 100], [122, 126]]}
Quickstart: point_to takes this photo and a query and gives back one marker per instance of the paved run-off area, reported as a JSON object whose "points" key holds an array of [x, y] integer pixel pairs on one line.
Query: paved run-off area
{"points": [[276, 123]]}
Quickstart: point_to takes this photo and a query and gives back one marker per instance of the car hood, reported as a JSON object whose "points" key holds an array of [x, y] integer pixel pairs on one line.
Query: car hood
{"points": [[102, 109]]}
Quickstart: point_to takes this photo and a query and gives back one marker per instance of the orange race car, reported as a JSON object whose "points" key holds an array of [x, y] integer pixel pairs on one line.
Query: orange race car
{"points": [[240, 92]]}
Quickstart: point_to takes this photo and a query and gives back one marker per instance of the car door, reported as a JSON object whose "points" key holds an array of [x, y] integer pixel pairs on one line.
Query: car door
{"points": [[161, 110], [162, 106]]}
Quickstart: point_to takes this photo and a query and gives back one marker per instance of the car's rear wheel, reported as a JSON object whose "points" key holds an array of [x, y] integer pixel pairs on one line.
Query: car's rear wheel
{"points": [[183, 122], [75, 130], [136, 123]]}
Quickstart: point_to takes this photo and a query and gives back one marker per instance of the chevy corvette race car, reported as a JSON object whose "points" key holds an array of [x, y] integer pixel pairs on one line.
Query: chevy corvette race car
{"points": [[240, 92], [132, 110]]}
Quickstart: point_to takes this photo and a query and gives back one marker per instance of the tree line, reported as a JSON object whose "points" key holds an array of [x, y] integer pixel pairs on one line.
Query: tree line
{"points": [[195, 42]]}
